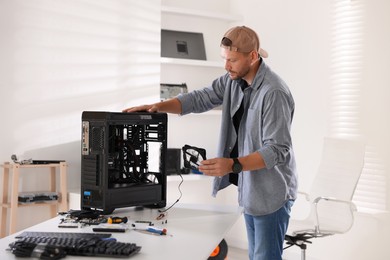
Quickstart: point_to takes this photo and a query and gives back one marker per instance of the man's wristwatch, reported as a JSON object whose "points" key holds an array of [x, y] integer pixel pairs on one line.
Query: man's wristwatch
{"points": [[237, 167]]}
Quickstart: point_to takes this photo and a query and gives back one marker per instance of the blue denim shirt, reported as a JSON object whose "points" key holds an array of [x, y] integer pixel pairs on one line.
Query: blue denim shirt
{"points": [[264, 128]]}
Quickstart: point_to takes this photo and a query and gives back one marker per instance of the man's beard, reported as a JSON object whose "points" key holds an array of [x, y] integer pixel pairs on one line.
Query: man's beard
{"points": [[235, 75]]}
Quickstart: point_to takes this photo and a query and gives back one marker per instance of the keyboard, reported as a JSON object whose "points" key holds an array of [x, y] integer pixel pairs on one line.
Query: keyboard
{"points": [[63, 234], [55, 247]]}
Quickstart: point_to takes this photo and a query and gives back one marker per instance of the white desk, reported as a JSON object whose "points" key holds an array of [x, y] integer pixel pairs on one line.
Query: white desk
{"points": [[193, 232]]}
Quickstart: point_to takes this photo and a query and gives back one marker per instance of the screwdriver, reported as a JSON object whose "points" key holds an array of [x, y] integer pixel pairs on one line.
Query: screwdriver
{"points": [[116, 220], [157, 231]]}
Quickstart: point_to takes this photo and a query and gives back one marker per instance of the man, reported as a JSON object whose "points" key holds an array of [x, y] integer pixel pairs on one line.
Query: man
{"points": [[255, 147]]}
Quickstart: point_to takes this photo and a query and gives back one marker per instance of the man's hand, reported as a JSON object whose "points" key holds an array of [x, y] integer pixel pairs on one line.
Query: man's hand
{"points": [[172, 106], [216, 166], [144, 108]]}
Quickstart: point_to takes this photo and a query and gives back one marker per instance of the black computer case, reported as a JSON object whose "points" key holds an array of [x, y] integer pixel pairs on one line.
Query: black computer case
{"points": [[123, 160]]}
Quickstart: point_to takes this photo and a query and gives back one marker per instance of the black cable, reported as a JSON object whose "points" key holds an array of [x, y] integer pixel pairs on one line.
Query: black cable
{"points": [[181, 194]]}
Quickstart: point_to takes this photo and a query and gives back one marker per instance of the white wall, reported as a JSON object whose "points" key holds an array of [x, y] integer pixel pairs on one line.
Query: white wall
{"points": [[59, 58], [376, 78]]}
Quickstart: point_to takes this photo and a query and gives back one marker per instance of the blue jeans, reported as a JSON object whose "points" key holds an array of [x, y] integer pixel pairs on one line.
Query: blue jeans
{"points": [[266, 233]]}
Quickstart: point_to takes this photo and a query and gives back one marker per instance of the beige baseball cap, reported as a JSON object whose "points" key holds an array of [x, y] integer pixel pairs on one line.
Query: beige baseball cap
{"points": [[242, 39]]}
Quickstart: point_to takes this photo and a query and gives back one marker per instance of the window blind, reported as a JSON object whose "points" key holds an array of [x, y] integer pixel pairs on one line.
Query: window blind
{"points": [[346, 100], [77, 55]]}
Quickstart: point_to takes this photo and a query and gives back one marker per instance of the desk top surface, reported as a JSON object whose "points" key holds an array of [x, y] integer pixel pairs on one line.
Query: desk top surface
{"points": [[193, 231]]}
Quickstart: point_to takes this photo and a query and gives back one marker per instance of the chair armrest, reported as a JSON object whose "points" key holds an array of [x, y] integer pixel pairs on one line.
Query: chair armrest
{"points": [[305, 194], [351, 205]]}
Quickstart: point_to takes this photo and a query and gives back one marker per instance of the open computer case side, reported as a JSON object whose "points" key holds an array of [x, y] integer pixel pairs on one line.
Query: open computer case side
{"points": [[123, 160]]}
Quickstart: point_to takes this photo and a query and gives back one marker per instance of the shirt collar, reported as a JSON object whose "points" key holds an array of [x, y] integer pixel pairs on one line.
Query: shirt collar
{"points": [[259, 78]]}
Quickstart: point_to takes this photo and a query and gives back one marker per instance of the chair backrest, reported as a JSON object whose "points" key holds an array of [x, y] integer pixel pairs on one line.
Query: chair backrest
{"points": [[337, 177], [340, 169]]}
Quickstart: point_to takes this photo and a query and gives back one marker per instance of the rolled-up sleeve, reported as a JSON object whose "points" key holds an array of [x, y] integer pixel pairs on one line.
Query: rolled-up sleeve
{"points": [[205, 99], [277, 115]]}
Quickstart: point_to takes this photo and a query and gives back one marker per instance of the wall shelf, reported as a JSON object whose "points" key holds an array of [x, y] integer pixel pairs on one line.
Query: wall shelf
{"points": [[200, 63], [201, 13]]}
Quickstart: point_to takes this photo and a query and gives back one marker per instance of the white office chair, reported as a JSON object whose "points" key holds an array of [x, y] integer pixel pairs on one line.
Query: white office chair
{"points": [[331, 194]]}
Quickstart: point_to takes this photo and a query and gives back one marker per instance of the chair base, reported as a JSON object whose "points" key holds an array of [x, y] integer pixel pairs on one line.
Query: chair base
{"points": [[301, 240]]}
